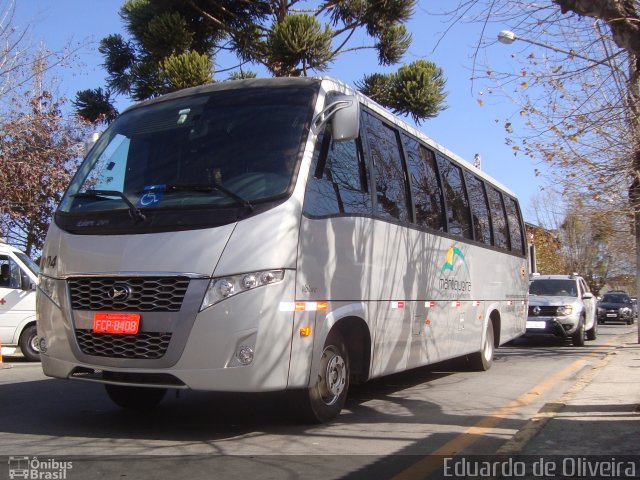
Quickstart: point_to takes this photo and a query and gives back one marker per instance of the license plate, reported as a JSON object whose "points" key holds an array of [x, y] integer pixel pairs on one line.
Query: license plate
{"points": [[123, 323], [536, 325], [612, 314]]}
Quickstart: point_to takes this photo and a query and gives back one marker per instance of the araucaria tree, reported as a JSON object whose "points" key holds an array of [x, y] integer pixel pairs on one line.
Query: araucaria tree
{"points": [[174, 44]]}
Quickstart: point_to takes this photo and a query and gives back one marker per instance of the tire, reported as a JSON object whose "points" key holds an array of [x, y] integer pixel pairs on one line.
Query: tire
{"points": [[135, 398], [592, 333], [29, 344], [482, 360], [578, 336], [324, 399]]}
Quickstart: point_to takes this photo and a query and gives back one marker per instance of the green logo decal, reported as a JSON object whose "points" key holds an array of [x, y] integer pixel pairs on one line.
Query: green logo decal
{"points": [[452, 254]]}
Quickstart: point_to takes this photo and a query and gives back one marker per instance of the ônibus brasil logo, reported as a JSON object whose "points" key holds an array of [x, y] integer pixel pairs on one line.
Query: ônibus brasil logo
{"points": [[455, 256]]}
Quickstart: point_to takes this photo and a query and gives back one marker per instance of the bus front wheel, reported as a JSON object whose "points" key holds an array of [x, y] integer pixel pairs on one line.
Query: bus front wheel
{"points": [[482, 360], [324, 399], [135, 398]]}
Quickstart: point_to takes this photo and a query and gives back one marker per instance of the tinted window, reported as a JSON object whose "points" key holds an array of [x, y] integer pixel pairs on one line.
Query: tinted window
{"points": [[13, 272], [457, 204], [201, 156], [616, 298], [425, 184], [336, 184], [479, 208], [499, 219], [554, 288], [389, 171], [515, 228]]}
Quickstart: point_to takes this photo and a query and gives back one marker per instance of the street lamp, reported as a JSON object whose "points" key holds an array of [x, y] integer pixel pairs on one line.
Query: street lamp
{"points": [[508, 37]]}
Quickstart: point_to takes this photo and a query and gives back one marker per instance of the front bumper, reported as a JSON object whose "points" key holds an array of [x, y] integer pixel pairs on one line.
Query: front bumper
{"points": [[202, 351], [614, 316], [558, 326]]}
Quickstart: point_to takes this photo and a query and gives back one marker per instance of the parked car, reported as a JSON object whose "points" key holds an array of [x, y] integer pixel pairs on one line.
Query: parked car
{"points": [[18, 302], [562, 305], [616, 306]]}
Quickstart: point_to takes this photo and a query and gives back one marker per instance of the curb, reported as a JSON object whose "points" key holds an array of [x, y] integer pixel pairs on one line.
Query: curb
{"points": [[515, 445]]}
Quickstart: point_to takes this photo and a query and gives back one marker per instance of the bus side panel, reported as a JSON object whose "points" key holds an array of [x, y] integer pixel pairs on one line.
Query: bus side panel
{"points": [[424, 314], [334, 261]]}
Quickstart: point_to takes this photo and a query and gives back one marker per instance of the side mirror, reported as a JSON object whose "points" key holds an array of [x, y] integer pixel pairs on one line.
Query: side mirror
{"points": [[344, 114], [345, 124]]}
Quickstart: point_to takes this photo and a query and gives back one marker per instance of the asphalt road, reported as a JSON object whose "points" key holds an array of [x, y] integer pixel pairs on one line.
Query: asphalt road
{"points": [[388, 425]]}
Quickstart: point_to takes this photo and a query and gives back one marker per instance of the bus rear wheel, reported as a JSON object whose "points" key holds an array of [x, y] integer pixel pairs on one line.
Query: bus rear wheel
{"points": [[482, 360], [135, 398], [324, 399]]}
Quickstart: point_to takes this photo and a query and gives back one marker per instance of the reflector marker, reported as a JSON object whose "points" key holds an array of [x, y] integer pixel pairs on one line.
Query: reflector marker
{"points": [[476, 303], [456, 303], [303, 306], [305, 331], [430, 304], [397, 305]]}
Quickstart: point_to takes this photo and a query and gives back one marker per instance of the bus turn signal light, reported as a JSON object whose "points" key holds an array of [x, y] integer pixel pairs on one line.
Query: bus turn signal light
{"points": [[305, 331]]}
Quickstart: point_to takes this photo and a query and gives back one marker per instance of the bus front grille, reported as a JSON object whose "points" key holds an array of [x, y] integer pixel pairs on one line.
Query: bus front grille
{"points": [[141, 294], [144, 345]]}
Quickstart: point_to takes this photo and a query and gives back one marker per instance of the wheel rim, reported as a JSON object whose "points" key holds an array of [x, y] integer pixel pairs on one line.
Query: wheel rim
{"points": [[33, 344], [333, 376]]}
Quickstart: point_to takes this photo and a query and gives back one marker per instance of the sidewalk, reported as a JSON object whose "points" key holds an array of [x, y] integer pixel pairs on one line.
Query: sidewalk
{"points": [[599, 415]]}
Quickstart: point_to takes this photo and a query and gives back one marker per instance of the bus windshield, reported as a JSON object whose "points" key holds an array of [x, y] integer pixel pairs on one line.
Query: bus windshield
{"points": [[223, 150]]}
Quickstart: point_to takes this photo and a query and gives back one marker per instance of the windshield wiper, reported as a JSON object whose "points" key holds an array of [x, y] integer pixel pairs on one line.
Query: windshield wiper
{"points": [[134, 212], [208, 189]]}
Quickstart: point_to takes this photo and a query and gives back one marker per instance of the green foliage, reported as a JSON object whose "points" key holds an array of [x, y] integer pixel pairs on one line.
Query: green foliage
{"points": [[119, 58], [417, 89], [298, 43], [95, 106], [242, 75], [173, 44], [186, 70], [378, 87], [166, 34], [394, 43]]}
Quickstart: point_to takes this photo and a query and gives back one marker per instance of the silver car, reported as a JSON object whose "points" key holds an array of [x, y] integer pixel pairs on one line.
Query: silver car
{"points": [[562, 305]]}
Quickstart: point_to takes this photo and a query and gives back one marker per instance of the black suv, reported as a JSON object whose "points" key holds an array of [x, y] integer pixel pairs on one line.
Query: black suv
{"points": [[615, 306]]}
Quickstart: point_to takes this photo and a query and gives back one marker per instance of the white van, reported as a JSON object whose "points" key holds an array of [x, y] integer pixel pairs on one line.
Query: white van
{"points": [[18, 303]]}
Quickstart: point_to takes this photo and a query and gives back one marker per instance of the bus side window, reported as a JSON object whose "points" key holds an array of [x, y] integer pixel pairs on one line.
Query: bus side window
{"points": [[337, 183], [457, 203], [479, 208], [425, 184], [515, 225], [499, 219], [391, 187]]}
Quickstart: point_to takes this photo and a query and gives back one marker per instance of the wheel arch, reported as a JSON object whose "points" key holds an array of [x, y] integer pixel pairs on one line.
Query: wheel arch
{"points": [[357, 337], [495, 319]]}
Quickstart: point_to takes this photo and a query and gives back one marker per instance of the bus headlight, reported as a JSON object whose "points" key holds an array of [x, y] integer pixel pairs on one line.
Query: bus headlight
{"points": [[225, 287]]}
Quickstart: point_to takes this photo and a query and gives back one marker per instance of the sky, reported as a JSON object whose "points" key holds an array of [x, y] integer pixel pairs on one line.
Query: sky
{"points": [[465, 127]]}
